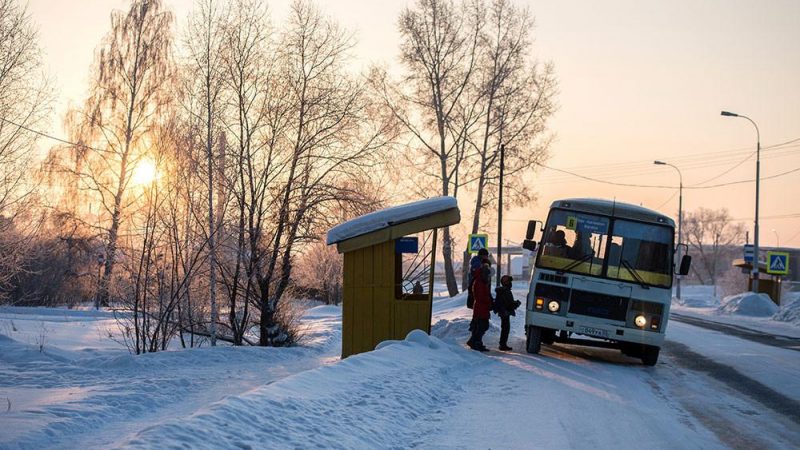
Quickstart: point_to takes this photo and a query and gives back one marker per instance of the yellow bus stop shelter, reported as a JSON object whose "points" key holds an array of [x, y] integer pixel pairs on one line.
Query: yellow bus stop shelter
{"points": [[376, 307]]}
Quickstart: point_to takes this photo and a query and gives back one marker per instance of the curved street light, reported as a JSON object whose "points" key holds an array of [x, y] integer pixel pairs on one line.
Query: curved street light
{"points": [[680, 221], [758, 185]]}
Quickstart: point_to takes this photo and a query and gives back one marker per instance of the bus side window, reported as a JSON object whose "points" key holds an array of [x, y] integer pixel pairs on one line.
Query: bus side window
{"points": [[615, 251]]}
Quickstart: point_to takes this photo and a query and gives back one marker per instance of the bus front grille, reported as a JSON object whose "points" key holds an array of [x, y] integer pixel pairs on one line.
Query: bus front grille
{"points": [[598, 305]]}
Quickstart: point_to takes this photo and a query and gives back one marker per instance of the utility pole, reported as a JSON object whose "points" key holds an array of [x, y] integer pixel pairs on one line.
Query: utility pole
{"points": [[500, 214]]}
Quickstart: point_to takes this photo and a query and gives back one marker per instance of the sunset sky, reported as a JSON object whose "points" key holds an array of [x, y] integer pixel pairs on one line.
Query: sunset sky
{"points": [[638, 81]]}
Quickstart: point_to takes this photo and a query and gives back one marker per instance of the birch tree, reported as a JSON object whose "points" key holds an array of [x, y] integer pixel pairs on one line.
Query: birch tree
{"points": [[204, 75], [130, 91]]}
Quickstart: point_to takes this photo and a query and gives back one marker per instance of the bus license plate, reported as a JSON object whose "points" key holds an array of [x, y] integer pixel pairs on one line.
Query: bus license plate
{"points": [[593, 332]]}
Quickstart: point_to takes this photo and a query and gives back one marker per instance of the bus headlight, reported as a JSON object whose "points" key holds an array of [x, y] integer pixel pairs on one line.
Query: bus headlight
{"points": [[553, 306], [640, 321]]}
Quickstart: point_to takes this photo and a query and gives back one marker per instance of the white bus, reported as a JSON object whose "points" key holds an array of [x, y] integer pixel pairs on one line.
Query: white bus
{"points": [[603, 270]]}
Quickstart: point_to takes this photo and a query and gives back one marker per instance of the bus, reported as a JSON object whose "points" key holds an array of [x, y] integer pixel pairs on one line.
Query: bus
{"points": [[602, 277]]}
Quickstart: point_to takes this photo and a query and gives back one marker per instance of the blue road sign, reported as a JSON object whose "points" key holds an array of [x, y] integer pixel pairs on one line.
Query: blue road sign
{"points": [[407, 245], [477, 242], [748, 252], [778, 263]]}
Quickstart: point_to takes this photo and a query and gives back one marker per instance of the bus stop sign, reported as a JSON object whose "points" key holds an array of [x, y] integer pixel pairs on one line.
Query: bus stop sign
{"points": [[778, 263], [477, 242], [748, 252]]}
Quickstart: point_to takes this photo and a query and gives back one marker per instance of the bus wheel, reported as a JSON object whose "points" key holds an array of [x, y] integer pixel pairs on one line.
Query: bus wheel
{"points": [[650, 355], [534, 341]]}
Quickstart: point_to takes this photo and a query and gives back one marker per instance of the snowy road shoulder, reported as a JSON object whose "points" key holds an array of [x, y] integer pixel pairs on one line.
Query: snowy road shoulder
{"points": [[392, 397]]}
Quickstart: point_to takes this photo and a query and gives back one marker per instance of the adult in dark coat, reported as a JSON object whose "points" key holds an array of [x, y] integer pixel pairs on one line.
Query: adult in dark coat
{"points": [[474, 263], [481, 310], [505, 308]]}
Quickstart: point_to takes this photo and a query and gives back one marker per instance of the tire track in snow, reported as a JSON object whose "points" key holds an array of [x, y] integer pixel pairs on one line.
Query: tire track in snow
{"points": [[759, 392]]}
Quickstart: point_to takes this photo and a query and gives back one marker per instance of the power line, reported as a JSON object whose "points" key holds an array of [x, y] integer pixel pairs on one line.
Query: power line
{"points": [[744, 181], [64, 141], [688, 162], [658, 186], [667, 200], [640, 170]]}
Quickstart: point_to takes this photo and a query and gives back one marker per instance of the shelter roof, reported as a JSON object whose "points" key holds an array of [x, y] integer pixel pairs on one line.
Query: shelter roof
{"points": [[394, 222]]}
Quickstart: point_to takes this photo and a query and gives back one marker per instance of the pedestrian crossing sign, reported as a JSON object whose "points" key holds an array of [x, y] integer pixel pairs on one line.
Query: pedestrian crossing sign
{"points": [[778, 263], [477, 242]]}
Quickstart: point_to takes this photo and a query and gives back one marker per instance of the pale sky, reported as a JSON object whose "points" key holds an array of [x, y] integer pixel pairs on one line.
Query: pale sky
{"points": [[639, 80]]}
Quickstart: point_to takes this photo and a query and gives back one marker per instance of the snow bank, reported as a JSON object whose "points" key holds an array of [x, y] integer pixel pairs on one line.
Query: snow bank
{"points": [[389, 398], [323, 311], [55, 314], [790, 310], [697, 297], [748, 304], [389, 216]]}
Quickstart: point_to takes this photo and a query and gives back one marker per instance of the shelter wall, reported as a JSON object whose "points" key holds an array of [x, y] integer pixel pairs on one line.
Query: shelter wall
{"points": [[371, 312]]}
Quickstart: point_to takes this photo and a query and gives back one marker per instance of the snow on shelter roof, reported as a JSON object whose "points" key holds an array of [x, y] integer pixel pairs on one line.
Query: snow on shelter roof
{"points": [[385, 218]]}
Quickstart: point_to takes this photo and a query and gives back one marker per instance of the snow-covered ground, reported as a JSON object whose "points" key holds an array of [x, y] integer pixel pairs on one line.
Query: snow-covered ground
{"points": [[85, 391], [744, 310]]}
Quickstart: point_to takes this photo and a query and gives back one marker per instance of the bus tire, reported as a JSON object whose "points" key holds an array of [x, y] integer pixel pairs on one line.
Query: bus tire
{"points": [[650, 355], [533, 343]]}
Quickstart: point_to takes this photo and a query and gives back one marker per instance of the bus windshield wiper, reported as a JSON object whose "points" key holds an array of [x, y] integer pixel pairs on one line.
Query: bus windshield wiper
{"points": [[573, 264], [634, 273]]}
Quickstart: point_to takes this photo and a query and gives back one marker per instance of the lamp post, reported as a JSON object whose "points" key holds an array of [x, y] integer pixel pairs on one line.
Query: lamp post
{"points": [[758, 186], [680, 221], [777, 239]]}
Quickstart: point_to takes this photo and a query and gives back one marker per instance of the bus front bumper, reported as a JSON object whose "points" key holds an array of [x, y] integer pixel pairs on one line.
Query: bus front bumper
{"points": [[594, 328]]}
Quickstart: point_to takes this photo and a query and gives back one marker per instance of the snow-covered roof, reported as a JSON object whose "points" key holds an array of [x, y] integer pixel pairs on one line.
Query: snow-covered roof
{"points": [[384, 218]]}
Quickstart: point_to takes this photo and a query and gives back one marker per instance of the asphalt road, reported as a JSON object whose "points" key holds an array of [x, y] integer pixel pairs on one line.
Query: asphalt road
{"points": [[774, 340]]}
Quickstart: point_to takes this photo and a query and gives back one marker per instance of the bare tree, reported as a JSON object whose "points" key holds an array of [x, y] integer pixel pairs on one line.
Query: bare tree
{"points": [[161, 267], [439, 50], [319, 273], [254, 121], [708, 232], [130, 93], [513, 100], [203, 43], [299, 132], [24, 102]]}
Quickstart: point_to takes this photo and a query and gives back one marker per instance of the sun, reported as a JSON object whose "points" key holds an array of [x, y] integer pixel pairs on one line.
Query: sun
{"points": [[145, 172]]}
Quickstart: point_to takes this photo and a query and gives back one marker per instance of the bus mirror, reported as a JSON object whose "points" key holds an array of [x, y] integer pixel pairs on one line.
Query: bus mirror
{"points": [[686, 261], [531, 229], [528, 244]]}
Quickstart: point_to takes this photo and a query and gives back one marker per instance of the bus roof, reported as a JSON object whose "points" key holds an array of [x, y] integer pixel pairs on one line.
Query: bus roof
{"points": [[615, 209]]}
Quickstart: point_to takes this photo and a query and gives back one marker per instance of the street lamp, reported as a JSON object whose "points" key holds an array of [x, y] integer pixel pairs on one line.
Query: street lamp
{"points": [[777, 239], [680, 220], [758, 186]]}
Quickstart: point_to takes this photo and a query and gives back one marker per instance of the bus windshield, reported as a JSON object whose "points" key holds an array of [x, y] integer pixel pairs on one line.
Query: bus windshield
{"points": [[595, 245], [574, 242], [640, 253]]}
